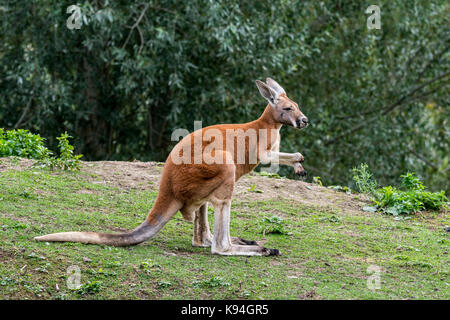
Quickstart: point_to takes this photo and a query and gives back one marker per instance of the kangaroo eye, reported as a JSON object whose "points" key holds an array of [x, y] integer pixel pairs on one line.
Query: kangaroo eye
{"points": [[287, 109]]}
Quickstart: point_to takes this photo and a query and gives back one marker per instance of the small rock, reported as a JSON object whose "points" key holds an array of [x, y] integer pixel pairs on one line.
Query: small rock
{"points": [[86, 259]]}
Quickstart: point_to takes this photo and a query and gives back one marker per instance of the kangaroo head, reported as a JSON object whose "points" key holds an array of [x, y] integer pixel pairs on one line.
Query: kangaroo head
{"points": [[284, 110]]}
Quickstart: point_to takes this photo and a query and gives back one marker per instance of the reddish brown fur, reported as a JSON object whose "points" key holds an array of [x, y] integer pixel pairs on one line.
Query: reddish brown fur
{"points": [[188, 187], [191, 183]]}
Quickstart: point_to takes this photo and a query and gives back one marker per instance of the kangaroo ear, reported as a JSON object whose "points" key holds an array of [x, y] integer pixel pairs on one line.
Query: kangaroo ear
{"points": [[275, 86], [268, 93]]}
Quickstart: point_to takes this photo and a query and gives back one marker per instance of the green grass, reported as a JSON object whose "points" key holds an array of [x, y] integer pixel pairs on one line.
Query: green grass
{"points": [[326, 251]]}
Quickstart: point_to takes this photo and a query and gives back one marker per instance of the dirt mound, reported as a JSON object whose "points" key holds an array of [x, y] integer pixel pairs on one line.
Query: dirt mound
{"points": [[253, 187]]}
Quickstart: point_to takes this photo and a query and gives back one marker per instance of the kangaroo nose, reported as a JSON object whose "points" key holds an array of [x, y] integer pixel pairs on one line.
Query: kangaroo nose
{"points": [[302, 122]]}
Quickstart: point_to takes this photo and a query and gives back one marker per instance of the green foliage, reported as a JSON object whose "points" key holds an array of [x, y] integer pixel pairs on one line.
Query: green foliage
{"points": [[269, 174], [5, 281], [148, 266], [102, 272], [67, 160], [414, 198], [411, 182], [317, 238], [363, 179], [210, 283], [89, 288], [317, 180], [22, 143], [274, 225], [253, 189], [373, 96]]}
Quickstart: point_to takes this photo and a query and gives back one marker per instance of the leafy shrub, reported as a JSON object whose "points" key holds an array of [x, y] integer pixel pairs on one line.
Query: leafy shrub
{"points": [[411, 182], [22, 143], [412, 199], [364, 180], [317, 180], [66, 158], [89, 288], [273, 224]]}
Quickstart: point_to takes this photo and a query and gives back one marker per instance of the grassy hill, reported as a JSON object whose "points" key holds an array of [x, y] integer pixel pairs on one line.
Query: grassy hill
{"points": [[329, 244]]}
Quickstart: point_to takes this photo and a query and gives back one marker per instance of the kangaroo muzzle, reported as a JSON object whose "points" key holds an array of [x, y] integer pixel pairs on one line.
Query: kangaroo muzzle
{"points": [[302, 122]]}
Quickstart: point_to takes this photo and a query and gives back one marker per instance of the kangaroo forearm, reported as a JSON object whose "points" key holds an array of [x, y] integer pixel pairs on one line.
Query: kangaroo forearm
{"points": [[282, 158]]}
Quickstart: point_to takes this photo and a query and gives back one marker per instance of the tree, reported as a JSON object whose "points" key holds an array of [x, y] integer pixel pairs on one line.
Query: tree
{"points": [[134, 72]]}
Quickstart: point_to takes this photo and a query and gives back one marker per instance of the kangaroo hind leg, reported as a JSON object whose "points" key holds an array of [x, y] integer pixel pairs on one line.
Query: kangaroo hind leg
{"points": [[202, 235], [222, 242]]}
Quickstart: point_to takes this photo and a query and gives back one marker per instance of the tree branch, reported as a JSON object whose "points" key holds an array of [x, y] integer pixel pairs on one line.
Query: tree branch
{"points": [[423, 159], [24, 111], [433, 60], [135, 25], [142, 40], [398, 102]]}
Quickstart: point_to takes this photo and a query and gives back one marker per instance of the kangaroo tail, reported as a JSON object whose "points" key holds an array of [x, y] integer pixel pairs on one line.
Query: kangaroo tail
{"points": [[138, 235], [150, 227]]}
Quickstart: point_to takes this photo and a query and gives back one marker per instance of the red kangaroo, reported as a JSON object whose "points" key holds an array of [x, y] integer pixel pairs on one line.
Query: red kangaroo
{"points": [[189, 187]]}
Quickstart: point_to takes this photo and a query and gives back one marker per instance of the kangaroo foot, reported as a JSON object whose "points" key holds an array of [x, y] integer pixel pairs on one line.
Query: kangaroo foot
{"points": [[202, 241], [245, 250], [237, 240]]}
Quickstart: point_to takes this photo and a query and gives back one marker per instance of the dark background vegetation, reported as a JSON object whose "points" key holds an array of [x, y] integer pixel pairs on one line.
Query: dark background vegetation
{"points": [[135, 71]]}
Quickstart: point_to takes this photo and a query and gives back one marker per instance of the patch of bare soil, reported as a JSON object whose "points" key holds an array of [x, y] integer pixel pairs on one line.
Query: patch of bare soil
{"points": [[6, 255], [252, 187], [299, 191], [125, 175], [16, 164], [310, 295]]}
